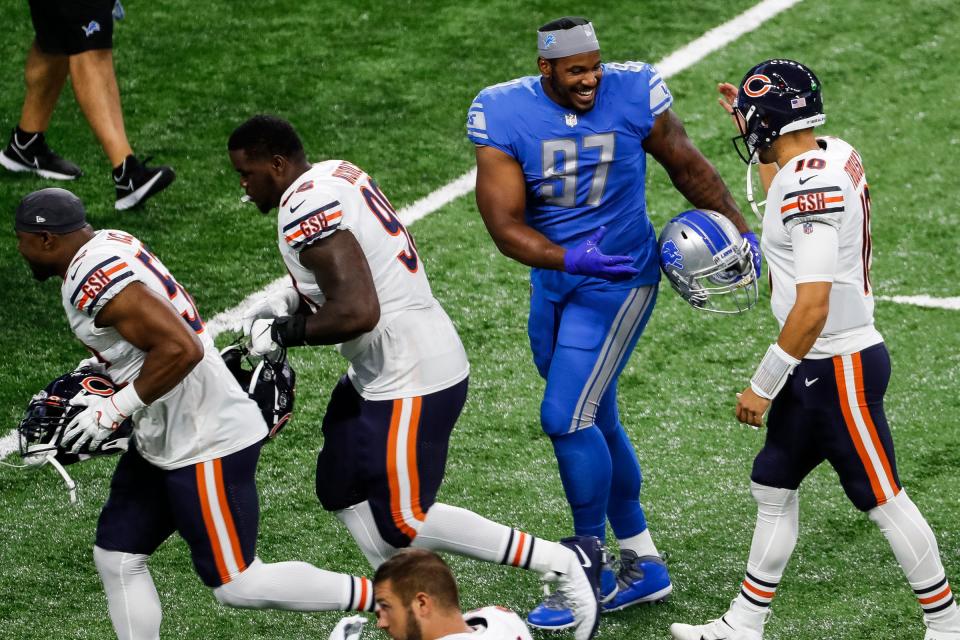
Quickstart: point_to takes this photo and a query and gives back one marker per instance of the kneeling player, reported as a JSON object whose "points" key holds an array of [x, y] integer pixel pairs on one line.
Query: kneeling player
{"points": [[417, 599], [196, 434]]}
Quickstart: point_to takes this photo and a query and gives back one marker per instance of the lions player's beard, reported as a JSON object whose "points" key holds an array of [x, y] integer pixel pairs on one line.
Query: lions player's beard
{"points": [[560, 90]]}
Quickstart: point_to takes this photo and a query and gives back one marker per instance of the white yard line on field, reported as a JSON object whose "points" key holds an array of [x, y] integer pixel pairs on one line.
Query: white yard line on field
{"points": [[952, 304]]}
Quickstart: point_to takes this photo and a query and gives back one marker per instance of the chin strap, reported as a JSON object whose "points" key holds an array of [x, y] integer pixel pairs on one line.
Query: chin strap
{"points": [[67, 480], [756, 206]]}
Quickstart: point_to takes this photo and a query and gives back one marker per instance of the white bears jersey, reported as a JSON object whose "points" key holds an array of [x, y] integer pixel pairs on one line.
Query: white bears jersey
{"points": [[414, 349], [492, 623], [207, 415], [827, 186]]}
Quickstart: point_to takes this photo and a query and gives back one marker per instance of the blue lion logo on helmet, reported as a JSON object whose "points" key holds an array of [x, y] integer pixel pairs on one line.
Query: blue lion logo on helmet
{"points": [[549, 41], [670, 255]]}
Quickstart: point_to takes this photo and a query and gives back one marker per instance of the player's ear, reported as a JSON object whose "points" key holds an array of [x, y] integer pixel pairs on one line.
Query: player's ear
{"points": [[48, 241], [546, 68], [422, 604], [278, 164]]}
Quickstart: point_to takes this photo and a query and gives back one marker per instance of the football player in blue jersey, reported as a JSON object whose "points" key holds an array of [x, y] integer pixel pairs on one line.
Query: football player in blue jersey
{"points": [[561, 161]]}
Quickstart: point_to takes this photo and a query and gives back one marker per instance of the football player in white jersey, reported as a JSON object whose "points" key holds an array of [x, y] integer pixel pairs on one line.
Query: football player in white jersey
{"points": [[357, 281], [196, 434], [417, 599], [824, 378]]}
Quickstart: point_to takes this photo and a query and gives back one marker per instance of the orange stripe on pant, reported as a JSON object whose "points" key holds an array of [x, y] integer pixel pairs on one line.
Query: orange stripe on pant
{"points": [[852, 429], [871, 427], [393, 476], [208, 521], [412, 468], [227, 517]]}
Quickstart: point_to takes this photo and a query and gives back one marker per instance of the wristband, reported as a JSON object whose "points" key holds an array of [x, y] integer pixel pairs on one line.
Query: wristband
{"points": [[772, 372], [290, 331], [127, 401]]}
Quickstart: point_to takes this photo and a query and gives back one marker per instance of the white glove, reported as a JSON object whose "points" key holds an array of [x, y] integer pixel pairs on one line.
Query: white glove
{"points": [[92, 363], [261, 339], [102, 416], [275, 305], [348, 628]]}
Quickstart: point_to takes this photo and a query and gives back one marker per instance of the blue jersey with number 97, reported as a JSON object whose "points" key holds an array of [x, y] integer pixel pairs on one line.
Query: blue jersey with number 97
{"points": [[582, 170]]}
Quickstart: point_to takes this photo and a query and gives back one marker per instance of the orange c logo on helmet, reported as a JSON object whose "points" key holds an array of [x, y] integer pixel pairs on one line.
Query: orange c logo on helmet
{"points": [[751, 88], [97, 386]]}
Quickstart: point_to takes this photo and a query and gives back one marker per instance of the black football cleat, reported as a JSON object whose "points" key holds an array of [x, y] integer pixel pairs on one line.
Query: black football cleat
{"points": [[136, 182], [29, 153]]}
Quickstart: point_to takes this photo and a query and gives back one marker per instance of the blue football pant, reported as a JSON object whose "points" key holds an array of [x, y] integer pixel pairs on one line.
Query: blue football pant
{"points": [[580, 345]]}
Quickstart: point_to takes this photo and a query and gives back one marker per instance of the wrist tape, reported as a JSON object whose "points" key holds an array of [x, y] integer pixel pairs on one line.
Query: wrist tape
{"points": [[772, 372], [290, 332], [127, 401]]}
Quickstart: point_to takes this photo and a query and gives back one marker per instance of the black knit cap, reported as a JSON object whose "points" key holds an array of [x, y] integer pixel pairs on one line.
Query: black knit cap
{"points": [[53, 210]]}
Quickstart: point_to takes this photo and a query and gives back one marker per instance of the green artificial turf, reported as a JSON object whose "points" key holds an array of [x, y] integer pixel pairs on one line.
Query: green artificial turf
{"points": [[387, 87]]}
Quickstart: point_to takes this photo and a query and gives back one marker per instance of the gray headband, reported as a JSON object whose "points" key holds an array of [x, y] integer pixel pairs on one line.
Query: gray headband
{"points": [[567, 42]]}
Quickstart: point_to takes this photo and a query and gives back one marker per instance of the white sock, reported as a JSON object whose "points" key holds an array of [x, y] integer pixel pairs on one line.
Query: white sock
{"points": [[131, 595], [362, 526], [641, 544], [457, 530], [295, 586], [774, 537], [915, 548]]}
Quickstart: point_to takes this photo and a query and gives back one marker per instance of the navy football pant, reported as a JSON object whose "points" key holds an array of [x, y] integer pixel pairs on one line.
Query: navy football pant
{"points": [[832, 409], [392, 453], [580, 345], [213, 505]]}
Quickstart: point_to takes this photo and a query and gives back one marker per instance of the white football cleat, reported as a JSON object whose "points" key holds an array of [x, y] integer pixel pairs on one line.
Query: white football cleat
{"points": [[931, 634], [720, 629], [579, 583]]}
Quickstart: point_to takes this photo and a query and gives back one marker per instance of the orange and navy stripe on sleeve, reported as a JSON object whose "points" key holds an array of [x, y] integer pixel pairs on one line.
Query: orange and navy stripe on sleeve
{"points": [[313, 225], [757, 591], [361, 594], [519, 549], [98, 281], [936, 597], [809, 202]]}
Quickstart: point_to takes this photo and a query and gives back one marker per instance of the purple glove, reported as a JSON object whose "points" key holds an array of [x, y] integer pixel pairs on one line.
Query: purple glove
{"points": [[751, 238], [586, 259]]}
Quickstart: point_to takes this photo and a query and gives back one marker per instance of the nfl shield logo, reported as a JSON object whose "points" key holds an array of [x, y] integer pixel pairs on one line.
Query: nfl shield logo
{"points": [[571, 119]]}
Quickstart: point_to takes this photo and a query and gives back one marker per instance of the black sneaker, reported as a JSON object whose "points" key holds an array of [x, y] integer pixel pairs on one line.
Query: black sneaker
{"points": [[136, 181], [30, 153]]}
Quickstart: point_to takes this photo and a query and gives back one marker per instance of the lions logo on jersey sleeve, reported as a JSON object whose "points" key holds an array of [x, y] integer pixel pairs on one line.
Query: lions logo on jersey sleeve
{"points": [[309, 214]]}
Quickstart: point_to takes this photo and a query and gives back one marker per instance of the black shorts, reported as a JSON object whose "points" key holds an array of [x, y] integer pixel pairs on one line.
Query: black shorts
{"points": [[213, 505], [832, 410], [68, 27], [392, 453]]}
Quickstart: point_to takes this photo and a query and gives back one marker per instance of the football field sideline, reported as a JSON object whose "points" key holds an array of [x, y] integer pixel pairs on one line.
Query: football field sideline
{"points": [[678, 61]]}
